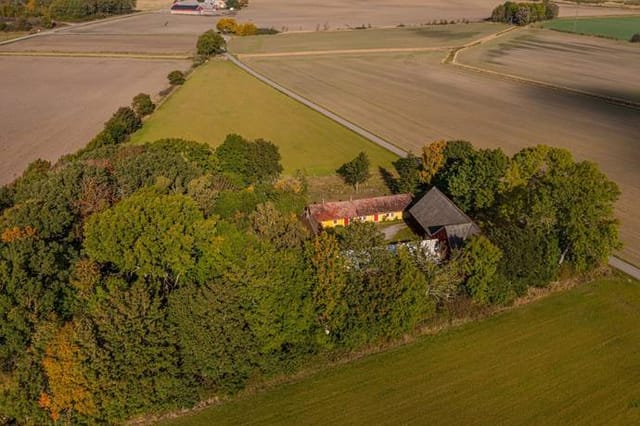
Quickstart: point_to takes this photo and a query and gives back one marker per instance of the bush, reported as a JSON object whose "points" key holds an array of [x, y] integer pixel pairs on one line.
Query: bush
{"points": [[143, 105], [635, 38], [227, 25], [267, 31], [210, 43], [247, 29], [176, 78]]}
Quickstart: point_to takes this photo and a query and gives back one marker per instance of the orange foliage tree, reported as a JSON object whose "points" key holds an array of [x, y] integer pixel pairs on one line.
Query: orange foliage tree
{"points": [[432, 159], [68, 385]]}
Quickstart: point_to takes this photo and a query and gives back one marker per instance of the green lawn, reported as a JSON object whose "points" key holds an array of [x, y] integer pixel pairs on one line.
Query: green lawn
{"points": [[425, 36], [571, 358], [220, 98], [621, 28]]}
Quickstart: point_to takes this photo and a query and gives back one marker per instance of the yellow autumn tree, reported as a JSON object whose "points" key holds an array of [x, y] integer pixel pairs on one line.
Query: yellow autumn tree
{"points": [[432, 159], [68, 386]]}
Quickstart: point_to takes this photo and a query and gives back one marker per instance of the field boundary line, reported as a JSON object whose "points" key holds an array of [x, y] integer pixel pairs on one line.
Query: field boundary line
{"points": [[452, 59], [345, 52], [324, 111], [95, 55]]}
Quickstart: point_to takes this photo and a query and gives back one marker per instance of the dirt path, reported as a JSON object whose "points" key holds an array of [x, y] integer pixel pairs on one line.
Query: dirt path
{"points": [[346, 52]]}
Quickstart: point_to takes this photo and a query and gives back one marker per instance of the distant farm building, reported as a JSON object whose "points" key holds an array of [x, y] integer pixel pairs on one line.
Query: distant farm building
{"points": [[433, 216], [187, 8], [206, 7]]}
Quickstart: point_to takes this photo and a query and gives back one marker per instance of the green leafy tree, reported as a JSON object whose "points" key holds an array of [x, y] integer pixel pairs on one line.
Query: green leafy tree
{"points": [[253, 161], [356, 171], [176, 78], [480, 260], [163, 237], [210, 43], [143, 105]]}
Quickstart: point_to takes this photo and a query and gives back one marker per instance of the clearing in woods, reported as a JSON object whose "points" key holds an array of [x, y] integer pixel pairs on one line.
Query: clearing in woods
{"points": [[576, 351], [621, 28], [219, 98]]}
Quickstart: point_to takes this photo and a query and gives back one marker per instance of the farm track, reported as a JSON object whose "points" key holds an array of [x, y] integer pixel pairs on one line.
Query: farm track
{"points": [[345, 52]]}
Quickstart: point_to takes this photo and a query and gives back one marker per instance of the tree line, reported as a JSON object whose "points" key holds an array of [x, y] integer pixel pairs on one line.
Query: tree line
{"points": [[25, 14], [144, 278], [519, 13]]}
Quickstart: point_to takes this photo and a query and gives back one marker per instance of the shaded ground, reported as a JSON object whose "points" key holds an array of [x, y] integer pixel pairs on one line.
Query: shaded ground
{"points": [[596, 65], [53, 106], [412, 99], [308, 15], [575, 351], [220, 98]]}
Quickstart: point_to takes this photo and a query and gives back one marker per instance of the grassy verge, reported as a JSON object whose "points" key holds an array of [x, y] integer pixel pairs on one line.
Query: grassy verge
{"points": [[219, 99], [621, 28], [570, 358]]}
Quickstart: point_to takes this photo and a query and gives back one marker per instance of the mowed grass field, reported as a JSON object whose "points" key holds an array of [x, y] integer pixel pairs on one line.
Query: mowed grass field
{"points": [[596, 65], [411, 37], [570, 358], [412, 99], [621, 28], [220, 99]]}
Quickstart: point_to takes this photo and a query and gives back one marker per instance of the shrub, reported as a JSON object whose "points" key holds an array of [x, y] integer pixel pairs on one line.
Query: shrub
{"points": [[176, 78], [210, 43], [143, 105], [247, 29], [267, 31], [635, 38], [227, 25]]}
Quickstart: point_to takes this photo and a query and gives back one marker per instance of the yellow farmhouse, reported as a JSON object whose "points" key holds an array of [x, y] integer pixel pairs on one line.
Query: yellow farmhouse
{"points": [[341, 213]]}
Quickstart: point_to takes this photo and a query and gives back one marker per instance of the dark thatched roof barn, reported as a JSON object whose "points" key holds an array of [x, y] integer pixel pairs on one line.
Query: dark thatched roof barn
{"points": [[440, 218]]}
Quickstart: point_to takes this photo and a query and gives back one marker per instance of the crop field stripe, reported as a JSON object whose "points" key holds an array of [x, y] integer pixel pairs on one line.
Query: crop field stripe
{"points": [[609, 99], [575, 351], [335, 117], [95, 55], [344, 52]]}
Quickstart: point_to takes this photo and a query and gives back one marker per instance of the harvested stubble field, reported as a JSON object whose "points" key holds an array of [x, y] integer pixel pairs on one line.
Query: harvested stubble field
{"points": [[219, 98], [570, 358], [621, 28], [148, 33], [176, 44], [53, 106], [596, 65], [410, 37], [311, 15], [413, 99]]}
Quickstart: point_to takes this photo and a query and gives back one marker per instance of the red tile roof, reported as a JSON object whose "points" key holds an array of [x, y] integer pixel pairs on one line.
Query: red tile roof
{"points": [[356, 208]]}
